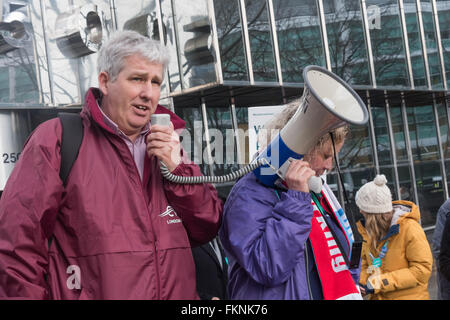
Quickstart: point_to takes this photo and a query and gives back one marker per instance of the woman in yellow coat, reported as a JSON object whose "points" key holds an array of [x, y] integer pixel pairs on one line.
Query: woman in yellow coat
{"points": [[396, 257]]}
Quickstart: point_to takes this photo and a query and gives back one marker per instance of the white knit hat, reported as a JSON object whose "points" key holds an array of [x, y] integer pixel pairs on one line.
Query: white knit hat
{"points": [[375, 196]]}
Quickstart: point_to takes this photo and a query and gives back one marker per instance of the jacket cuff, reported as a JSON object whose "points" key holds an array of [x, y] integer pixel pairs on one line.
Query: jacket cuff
{"points": [[179, 170]]}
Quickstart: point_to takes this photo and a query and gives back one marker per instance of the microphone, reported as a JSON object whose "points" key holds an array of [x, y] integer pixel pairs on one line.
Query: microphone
{"points": [[161, 119]]}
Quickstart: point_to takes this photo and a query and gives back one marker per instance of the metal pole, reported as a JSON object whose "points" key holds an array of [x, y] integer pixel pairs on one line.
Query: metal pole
{"points": [[276, 48], [441, 152], [406, 43], [393, 148], [424, 44], [323, 29], [368, 43], [439, 42], [245, 36]]}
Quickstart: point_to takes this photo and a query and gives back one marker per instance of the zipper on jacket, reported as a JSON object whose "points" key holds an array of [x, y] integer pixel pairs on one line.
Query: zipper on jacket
{"points": [[158, 281], [307, 270]]}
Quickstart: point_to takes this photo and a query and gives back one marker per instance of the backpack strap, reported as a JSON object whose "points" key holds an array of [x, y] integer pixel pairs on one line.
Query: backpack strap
{"points": [[72, 136]]}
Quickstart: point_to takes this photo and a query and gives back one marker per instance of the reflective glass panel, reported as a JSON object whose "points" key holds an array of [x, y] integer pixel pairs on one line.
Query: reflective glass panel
{"points": [[19, 81], [443, 9], [223, 146], [430, 39], [195, 42], [171, 43], [415, 44], [422, 132], [299, 37], [346, 40], [242, 122], [383, 145], [356, 162], [260, 41], [357, 149], [353, 181], [406, 187], [192, 137], [229, 32], [382, 135], [403, 168], [399, 136], [75, 32], [387, 43], [443, 129]]}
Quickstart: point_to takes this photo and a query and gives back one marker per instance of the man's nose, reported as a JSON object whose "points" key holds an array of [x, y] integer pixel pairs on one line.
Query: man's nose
{"points": [[146, 91]]}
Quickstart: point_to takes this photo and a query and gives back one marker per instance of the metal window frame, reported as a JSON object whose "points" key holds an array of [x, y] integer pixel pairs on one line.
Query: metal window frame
{"points": [[246, 38], [234, 125], [323, 31], [409, 149], [47, 57], [207, 137], [403, 26], [441, 152], [215, 42], [423, 42], [392, 144], [161, 40], [368, 43], [177, 45], [113, 9], [437, 30], [275, 46], [372, 134]]}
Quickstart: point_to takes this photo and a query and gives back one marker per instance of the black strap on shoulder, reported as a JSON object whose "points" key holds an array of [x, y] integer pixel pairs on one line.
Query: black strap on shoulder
{"points": [[72, 136], [355, 257]]}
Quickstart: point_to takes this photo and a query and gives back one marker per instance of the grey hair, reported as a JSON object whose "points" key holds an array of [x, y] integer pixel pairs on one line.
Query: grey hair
{"points": [[273, 126], [123, 44]]}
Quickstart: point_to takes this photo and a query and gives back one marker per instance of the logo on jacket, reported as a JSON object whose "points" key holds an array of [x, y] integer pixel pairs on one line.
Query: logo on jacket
{"points": [[170, 213]]}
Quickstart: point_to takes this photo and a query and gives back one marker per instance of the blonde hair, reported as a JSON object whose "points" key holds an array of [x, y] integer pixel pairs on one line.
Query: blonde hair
{"points": [[377, 226], [272, 127]]}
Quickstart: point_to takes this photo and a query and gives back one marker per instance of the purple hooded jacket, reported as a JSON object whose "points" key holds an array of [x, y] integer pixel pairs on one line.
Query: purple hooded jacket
{"points": [[266, 242]]}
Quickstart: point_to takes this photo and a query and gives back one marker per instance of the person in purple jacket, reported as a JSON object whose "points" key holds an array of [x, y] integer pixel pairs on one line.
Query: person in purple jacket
{"points": [[287, 242]]}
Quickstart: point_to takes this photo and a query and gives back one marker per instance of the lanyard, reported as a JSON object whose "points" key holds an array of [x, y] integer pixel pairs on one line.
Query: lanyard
{"points": [[376, 262], [318, 204]]}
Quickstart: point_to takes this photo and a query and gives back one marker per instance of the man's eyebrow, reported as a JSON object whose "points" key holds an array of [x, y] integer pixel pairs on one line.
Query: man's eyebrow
{"points": [[158, 78]]}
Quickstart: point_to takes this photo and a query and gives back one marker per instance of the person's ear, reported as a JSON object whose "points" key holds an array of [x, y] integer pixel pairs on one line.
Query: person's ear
{"points": [[103, 82]]}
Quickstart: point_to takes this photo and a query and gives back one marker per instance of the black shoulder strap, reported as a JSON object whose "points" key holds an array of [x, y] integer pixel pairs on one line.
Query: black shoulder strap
{"points": [[72, 136]]}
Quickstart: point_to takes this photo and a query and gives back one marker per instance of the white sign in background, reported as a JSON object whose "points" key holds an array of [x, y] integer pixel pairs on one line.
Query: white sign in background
{"points": [[257, 117]]}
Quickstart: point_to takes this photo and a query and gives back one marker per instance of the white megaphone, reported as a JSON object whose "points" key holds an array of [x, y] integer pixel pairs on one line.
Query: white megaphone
{"points": [[327, 103]]}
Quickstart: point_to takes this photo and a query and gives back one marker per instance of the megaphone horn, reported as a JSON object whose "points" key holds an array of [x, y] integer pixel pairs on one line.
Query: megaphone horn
{"points": [[327, 103]]}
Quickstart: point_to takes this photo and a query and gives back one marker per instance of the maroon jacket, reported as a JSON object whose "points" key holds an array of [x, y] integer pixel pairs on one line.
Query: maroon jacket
{"points": [[114, 237]]}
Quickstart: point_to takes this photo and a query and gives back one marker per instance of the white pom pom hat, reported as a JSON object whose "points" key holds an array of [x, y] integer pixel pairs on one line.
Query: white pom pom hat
{"points": [[375, 196]]}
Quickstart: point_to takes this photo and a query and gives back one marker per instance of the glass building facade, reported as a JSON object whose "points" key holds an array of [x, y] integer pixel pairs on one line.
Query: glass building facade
{"points": [[229, 55]]}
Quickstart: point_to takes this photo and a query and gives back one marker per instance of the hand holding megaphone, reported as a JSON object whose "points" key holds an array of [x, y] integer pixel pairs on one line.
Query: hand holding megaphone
{"points": [[299, 176], [163, 142]]}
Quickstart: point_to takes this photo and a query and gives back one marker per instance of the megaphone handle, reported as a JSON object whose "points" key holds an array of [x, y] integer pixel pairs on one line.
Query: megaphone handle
{"points": [[315, 184]]}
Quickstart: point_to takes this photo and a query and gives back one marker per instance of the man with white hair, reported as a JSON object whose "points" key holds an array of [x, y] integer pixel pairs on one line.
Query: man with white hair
{"points": [[118, 229]]}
